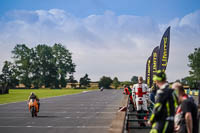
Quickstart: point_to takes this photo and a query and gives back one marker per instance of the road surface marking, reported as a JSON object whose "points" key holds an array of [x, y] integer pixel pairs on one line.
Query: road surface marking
{"points": [[28, 117], [88, 127], [47, 98], [63, 112]]}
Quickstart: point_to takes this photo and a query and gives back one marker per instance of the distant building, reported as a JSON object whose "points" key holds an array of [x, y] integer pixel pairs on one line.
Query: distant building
{"points": [[77, 85], [68, 86]]}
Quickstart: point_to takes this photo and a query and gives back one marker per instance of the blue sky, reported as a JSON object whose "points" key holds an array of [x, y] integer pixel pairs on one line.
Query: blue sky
{"points": [[106, 37], [157, 9]]}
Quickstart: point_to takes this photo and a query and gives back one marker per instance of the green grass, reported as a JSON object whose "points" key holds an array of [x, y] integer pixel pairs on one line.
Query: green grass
{"points": [[16, 95]]}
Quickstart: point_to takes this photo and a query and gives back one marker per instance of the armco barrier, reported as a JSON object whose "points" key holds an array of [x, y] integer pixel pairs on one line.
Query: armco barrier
{"points": [[117, 125]]}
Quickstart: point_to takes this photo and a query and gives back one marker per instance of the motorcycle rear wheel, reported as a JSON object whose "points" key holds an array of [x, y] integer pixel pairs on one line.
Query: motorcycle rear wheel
{"points": [[33, 111]]}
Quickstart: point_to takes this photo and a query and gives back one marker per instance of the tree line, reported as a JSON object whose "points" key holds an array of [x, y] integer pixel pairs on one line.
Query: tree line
{"points": [[49, 66], [43, 65], [193, 80], [106, 82]]}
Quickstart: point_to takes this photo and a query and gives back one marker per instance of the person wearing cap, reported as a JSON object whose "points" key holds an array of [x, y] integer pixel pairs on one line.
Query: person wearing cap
{"points": [[162, 118]]}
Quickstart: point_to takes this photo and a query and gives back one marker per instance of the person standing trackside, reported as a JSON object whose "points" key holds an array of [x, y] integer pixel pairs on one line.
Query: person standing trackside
{"points": [[153, 90], [162, 118], [188, 122], [140, 93], [128, 91]]}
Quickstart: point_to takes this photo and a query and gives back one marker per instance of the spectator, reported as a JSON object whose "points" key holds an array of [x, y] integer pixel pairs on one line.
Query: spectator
{"points": [[140, 94], [162, 118], [188, 122]]}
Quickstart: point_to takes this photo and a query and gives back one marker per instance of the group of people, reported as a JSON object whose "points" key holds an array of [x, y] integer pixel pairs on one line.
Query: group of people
{"points": [[173, 111]]}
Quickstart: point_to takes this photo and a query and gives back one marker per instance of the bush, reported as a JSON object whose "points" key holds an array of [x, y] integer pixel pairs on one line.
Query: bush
{"points": [[105, 82]]}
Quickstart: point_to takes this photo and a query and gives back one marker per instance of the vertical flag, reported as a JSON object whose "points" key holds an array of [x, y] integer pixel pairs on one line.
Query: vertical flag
{"points": [[155, 62], [148, 71], [164, 50]]}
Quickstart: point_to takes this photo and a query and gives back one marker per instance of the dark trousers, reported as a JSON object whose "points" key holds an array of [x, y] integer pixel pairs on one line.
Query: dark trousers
{"points": [[162, 127]]}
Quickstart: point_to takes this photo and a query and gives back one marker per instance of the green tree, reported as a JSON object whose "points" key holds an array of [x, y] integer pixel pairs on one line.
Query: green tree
{"points": [[105, 82], [116, 82], [23, 62], [43, 65], [190, 81], [72, 81], [178, 80], [126, 83], [36, 70], [85, 81], [8, 77], [194, 64], [63, 61], [47, 66], [2, 91], [14, 81], [134, 79]]}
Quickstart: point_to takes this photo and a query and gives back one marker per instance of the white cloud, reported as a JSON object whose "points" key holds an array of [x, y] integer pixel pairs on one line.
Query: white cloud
{"points": [[104, 44]]}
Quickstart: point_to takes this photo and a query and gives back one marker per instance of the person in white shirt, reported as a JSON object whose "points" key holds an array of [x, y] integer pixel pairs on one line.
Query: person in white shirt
{"points": [[140, 94]]}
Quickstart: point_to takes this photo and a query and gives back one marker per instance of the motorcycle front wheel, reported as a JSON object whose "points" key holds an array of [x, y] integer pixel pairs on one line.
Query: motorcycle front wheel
{"points": [[33, 111]]}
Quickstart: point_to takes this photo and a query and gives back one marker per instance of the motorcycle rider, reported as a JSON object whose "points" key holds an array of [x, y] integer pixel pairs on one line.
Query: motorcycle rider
{"points": [[102, 88], [162, 118], [140, 93], [33, 96]]}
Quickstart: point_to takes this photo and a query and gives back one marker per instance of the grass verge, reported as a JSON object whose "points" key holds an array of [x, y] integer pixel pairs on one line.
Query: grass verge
{"points": [[17, 95]]}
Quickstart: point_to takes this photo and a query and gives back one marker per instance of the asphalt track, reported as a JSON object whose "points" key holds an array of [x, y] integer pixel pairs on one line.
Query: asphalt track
{"points": [[80, 113]]}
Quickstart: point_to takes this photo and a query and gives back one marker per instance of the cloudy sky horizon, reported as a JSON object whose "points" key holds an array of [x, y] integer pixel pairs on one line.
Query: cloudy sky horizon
{"points": [[105, 39]]}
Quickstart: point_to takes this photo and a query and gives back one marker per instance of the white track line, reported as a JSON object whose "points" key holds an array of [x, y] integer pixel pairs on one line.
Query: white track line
{"points": [[49, 97], [67, 108], [56, 112], [66, 117], [86, 127]]}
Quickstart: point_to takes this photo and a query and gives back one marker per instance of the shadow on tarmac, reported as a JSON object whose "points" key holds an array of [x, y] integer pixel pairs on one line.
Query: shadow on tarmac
{"points": [[46, 116]]}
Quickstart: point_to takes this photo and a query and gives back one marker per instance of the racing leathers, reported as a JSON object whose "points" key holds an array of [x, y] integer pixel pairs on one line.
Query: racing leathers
{"points": [[128, 91], [162, 117], [140, 95], [33, 96]]}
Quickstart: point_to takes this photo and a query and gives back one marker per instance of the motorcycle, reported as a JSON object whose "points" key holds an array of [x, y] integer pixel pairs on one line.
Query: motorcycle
{"points": [[33, 107], [101, 89]]}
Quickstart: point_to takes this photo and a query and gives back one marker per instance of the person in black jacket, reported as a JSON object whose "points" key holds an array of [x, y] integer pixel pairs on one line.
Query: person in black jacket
{"points": [[162, 118]]}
